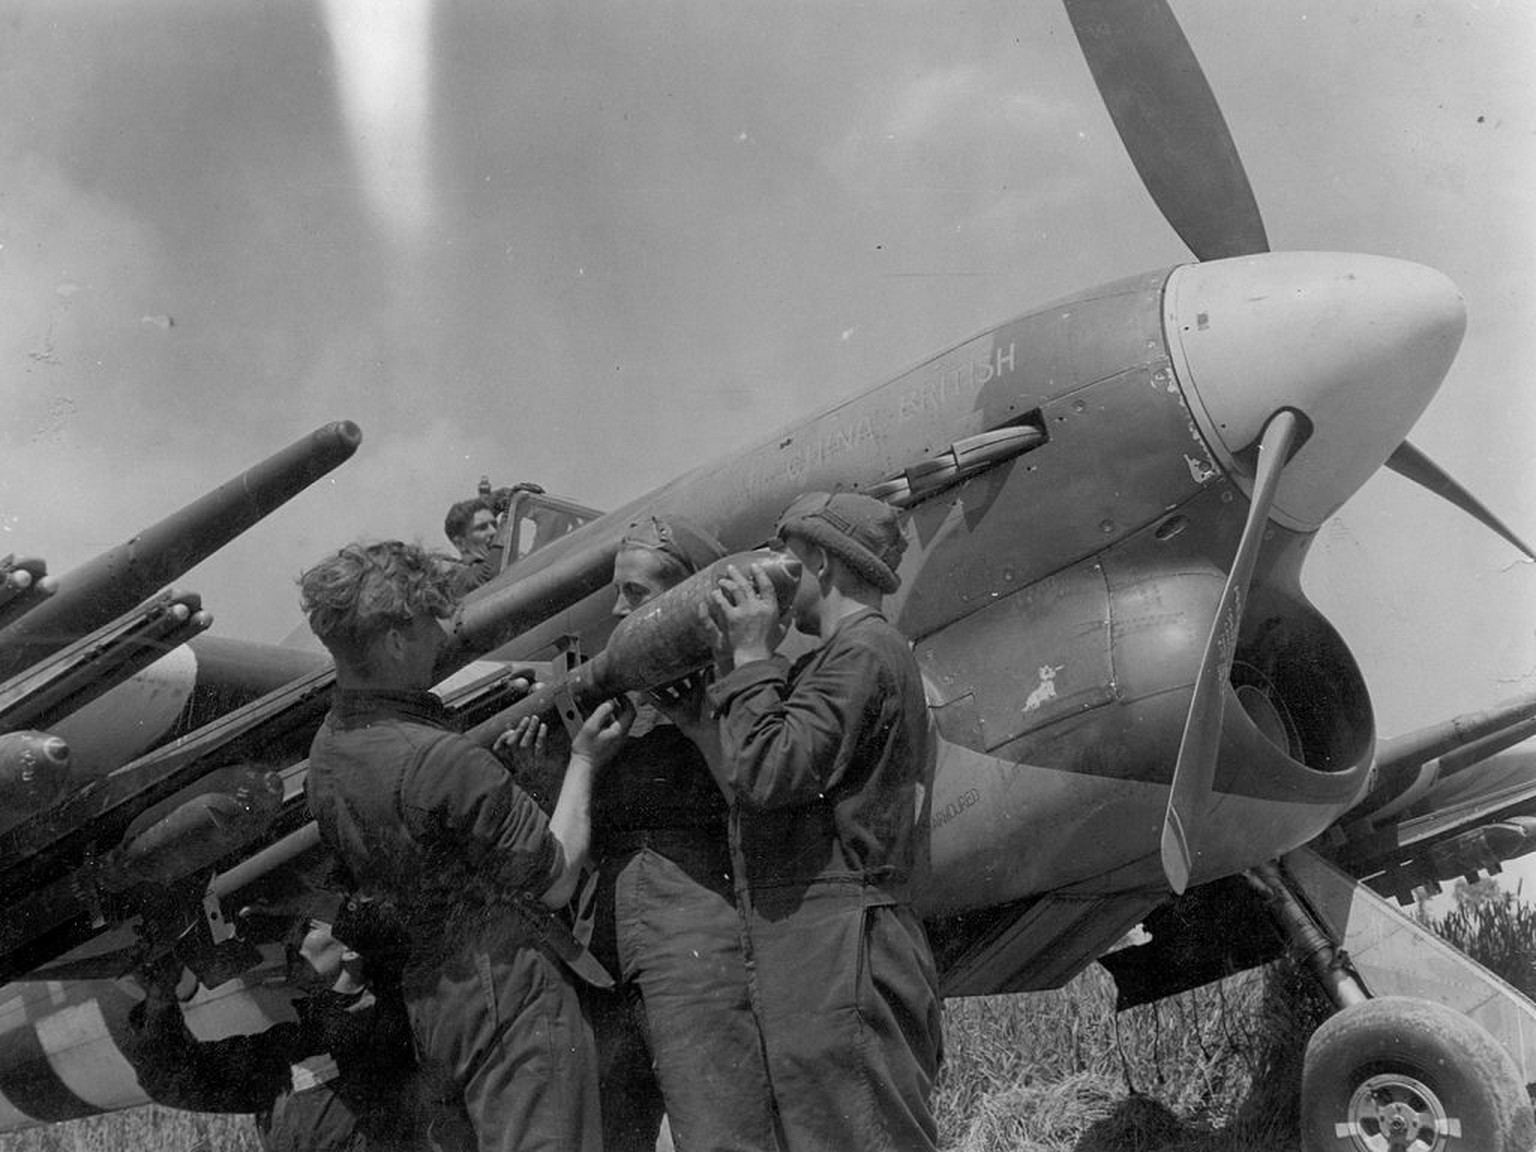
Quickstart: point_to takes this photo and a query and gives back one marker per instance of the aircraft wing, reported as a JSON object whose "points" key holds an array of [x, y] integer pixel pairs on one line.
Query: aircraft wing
{"points": [[1468, 824], [1451, 799]]}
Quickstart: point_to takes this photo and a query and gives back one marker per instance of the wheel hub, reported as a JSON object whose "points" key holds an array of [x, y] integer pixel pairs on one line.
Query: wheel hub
{"points": [[1394, 1112]]}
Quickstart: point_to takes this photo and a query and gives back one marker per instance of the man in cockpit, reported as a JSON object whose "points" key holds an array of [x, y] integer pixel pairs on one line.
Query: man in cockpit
{"points": [[471, 527]]}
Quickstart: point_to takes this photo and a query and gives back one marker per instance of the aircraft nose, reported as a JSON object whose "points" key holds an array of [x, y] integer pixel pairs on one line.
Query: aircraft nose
{"points": [[1358, 344]]}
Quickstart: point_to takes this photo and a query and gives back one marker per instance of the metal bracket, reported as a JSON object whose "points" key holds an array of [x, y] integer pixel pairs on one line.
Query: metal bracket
{"points": [[565, 704], [219, 928], [567, 653]]}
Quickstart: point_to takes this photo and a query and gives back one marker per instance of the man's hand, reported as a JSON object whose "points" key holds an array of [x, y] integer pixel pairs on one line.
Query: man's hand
{"points": [[162, 977], [525, 738], [603, 733], [747, 612], [523, 744], [683, 702], [681, 698]]}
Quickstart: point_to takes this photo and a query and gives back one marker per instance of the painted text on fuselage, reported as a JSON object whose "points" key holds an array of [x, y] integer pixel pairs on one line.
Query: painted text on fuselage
{"points": [[932, 394]]}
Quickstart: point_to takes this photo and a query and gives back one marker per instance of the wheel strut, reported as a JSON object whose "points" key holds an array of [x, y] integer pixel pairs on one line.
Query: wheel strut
{"points": [[1327, 962]]}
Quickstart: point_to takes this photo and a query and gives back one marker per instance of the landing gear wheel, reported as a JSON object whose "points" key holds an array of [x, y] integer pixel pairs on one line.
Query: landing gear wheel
{"points": [[1402, 1075]]}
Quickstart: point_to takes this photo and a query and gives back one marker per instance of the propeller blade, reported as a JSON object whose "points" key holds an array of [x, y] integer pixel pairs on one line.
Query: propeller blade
{"points": [[1410, 462], [1170, 124], [1195, 771]]}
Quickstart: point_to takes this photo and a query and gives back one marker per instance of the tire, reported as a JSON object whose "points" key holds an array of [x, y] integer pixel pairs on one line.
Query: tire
{"points": [[1397, 1074]]}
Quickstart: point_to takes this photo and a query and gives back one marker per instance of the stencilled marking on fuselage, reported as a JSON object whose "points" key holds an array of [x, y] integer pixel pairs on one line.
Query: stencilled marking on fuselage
{"points": [[794, 456], [1046, 689], [830, 442], [949, 384], [967, 799]]}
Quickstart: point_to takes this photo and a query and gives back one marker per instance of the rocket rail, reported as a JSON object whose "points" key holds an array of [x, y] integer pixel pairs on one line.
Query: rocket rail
{"points": [[80, 672], [109, 585]]}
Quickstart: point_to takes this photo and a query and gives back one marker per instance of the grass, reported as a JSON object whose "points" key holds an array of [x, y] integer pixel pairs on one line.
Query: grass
{"points": [[147, 1129], [1214, 1070]]}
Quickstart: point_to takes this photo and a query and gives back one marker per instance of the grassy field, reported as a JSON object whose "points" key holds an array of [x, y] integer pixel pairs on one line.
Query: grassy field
{"points": [[1215, 1070], [147, 1129]]}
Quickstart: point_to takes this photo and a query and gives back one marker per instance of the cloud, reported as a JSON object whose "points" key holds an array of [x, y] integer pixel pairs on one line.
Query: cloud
{"points": [[383, 52]]}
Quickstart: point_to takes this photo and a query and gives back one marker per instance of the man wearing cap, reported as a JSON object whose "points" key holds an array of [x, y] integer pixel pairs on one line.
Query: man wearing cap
{"points": [[665, 917], [823, 761], [434, 825]]}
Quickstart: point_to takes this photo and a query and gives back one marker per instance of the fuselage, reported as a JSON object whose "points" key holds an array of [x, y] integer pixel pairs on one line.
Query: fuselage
{"points": [[1059, 601]]}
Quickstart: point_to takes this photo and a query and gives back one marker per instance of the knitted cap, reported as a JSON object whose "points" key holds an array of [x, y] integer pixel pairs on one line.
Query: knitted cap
{"points": [[857, 529], [677, 537]]}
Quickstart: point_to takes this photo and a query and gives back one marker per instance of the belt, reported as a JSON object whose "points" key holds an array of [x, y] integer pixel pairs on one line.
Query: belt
{"points": [[313, 1072], [864, 890], [661, 839]]}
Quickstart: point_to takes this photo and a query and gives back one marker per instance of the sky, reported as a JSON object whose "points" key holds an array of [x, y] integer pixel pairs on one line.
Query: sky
{"points": [[592, 245]]}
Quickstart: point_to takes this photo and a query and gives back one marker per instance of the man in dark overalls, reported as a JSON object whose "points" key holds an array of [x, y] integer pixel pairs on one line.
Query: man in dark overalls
{"points": [[434, 826], [823, 760], [341, 1078], [665, 916]]}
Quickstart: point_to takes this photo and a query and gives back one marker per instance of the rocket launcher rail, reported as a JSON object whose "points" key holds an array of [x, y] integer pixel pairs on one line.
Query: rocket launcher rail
{"points": [[88, 868], [71, 678], [1407, 766], [102, 589], [662, 641], [49, 846]]}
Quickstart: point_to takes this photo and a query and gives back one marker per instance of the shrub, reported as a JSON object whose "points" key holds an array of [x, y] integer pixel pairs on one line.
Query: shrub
{"points": [[1499, 933]]}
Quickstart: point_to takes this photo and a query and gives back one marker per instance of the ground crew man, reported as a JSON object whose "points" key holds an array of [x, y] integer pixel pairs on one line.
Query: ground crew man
{"points": [[433, 826], [665, 916], [342, 1078], [823, 761]]}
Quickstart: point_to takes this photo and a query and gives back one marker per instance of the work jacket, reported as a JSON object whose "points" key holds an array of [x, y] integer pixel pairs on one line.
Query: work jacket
{"points": [[824, 759], [425, 819]]}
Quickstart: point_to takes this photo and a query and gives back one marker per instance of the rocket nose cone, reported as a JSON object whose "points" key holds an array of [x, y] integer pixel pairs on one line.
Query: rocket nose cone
{"points": [[1358, 344]]}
